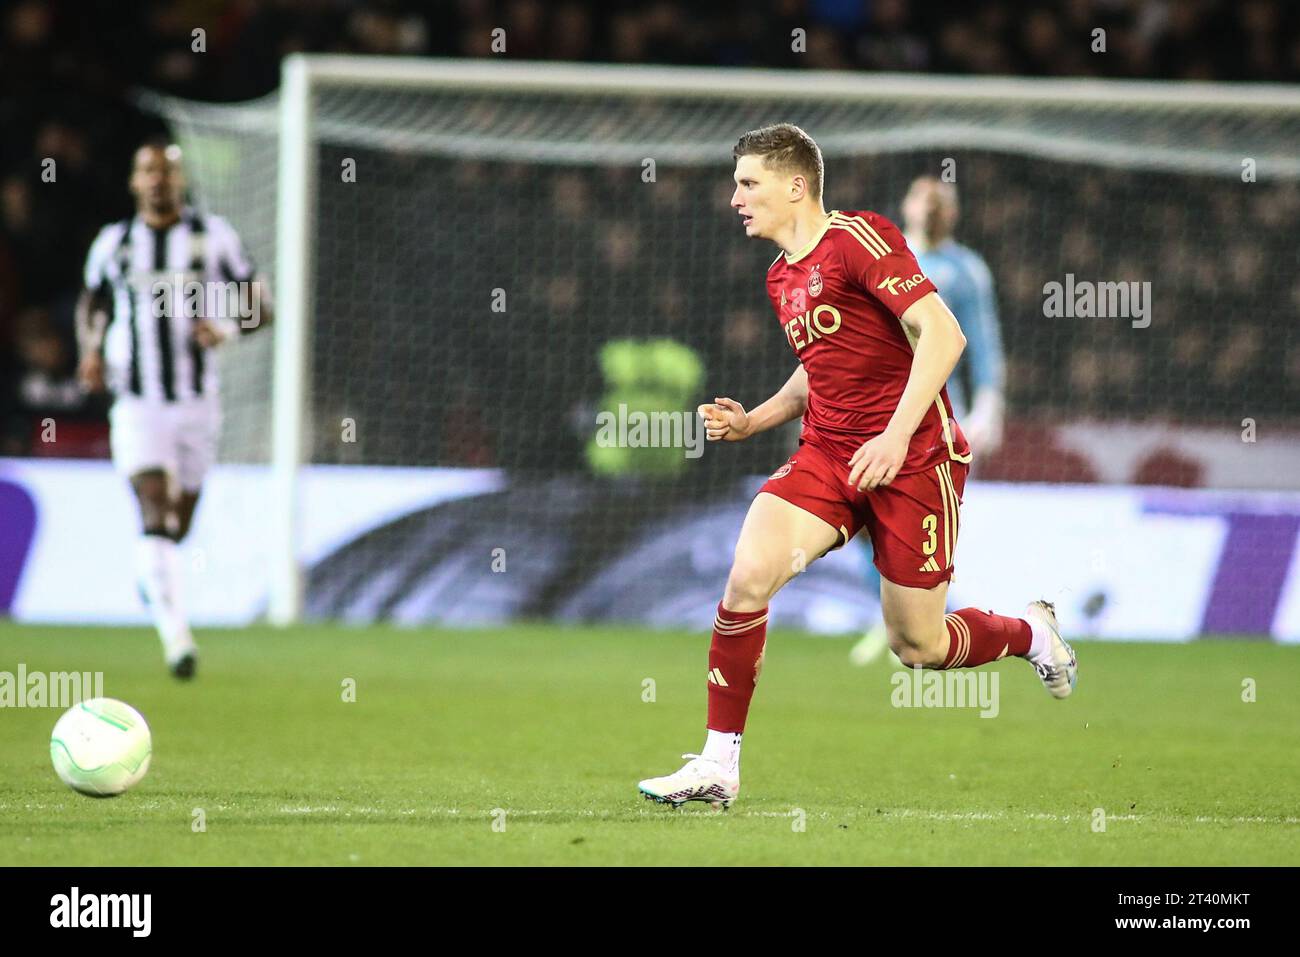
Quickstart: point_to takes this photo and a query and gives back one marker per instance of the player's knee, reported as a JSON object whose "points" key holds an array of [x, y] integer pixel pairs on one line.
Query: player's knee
{"points": [[912, 650], [153, 519], [154, 504], [750, 586], [159, 519]]}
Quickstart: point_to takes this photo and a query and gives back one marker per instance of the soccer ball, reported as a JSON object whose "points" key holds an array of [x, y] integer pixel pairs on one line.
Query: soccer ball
{"points": [[101, 747]]}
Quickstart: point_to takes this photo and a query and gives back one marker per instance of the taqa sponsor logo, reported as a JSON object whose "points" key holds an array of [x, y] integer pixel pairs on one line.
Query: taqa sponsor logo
{"points": [[824, 320], [896, 284], [132, 911]]}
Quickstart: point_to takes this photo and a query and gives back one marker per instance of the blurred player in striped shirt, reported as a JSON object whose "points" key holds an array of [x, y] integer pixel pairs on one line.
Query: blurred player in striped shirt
{"points": [[163, 290]]}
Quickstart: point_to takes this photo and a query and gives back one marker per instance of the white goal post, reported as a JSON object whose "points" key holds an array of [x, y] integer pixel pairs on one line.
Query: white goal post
{"points": [[1075, 120]]}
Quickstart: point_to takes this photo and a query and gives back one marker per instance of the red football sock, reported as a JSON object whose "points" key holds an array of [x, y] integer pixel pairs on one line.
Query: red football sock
{"points": [[977, 637], [735, 659]]}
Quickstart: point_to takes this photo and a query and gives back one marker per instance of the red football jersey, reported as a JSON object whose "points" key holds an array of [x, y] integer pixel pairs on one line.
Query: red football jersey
{"points": [[838, 301]]}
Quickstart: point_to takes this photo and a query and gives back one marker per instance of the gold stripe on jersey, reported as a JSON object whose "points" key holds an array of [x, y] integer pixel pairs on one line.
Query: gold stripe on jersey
{"points": [[857, 236], [876, 246], [871, 231], [866, 234]]}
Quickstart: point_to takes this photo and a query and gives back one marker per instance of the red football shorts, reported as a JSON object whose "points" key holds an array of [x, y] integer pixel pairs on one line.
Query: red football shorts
{"points": [[912, 521]]}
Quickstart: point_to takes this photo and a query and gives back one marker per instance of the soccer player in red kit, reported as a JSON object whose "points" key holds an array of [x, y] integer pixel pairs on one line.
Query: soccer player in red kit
{"points": [[879, 451]]}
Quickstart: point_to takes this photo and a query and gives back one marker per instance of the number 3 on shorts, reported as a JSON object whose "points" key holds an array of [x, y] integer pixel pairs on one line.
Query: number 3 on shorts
{"points": [[931, 524]]}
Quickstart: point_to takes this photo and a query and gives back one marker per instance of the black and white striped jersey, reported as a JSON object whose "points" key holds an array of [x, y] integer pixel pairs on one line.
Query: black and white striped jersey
{"points": [[150, 276]]}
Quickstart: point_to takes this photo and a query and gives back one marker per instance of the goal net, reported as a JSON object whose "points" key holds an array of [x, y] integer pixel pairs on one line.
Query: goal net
{"points": [[503, 268]]}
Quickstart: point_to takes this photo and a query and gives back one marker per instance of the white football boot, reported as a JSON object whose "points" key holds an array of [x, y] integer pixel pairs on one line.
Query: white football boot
{"points": [[1056, 664], [700, 779]]}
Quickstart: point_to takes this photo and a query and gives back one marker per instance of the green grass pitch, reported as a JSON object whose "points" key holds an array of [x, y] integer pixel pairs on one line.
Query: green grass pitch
{"points": [[549, 724]]}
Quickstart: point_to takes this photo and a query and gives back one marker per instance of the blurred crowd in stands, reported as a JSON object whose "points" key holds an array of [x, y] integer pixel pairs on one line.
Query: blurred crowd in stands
{"points": [[594, 255], [68, 69]]}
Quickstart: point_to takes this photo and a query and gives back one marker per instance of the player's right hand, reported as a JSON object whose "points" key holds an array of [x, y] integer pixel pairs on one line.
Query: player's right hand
{"points": [[725, 420], [90, 372]]}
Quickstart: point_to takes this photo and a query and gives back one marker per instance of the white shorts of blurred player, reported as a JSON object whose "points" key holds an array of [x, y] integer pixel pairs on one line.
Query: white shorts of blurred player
{"points": [[180, 438]]}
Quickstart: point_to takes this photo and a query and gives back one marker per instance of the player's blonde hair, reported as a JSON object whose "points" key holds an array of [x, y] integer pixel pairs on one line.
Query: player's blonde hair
{"points": [[788, 149]]}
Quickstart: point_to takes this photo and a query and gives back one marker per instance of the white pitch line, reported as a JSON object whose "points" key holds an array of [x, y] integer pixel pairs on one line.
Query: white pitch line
{"points": [[915, 813], [620, 813]]}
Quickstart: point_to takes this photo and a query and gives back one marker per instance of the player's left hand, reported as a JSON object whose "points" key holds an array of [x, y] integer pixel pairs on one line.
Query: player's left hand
{"points": [[207, 334], [878, 461]]}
